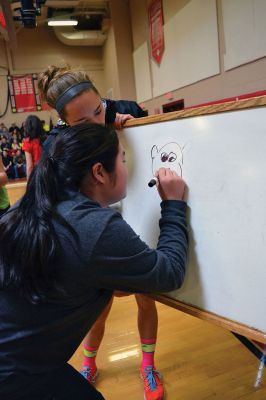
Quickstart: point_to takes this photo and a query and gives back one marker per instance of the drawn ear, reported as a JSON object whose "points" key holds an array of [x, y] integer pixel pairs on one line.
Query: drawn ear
{"points": [[154, 151], [182, 150]]}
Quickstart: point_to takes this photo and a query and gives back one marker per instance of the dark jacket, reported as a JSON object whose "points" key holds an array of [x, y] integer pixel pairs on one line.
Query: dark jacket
{"points": [[122, 107], [109, 255], [112, 107]]}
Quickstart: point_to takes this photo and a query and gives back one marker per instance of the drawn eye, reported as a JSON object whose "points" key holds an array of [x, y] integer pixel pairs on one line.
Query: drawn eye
{"points": [[164, 157], [172, 157]]}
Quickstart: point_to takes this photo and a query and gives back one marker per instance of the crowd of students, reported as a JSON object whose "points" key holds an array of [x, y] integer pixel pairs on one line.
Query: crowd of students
{"points": [[13, 156], [21, 144]]}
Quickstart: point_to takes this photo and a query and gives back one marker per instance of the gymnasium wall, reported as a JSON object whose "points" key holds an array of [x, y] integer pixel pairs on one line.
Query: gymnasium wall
{"points": [[117, 54], [213, 50], [35, 51]]}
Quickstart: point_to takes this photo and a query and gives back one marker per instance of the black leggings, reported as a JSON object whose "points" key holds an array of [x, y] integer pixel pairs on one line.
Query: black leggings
{"points": [[63, 384]]}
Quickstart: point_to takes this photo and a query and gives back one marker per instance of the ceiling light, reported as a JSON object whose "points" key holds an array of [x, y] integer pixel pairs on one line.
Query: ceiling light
{"points": [[66, 22]]}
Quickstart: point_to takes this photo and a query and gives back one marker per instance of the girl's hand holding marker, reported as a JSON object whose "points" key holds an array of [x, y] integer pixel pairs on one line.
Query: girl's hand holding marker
{"points": [[170, 186]]}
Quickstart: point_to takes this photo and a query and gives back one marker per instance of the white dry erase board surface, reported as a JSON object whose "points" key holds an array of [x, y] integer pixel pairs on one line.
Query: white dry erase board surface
{"points": [[223, 161]]}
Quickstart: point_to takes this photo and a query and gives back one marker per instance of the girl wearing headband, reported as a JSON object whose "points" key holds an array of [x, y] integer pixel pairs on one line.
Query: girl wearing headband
{"points": [[77, 100]]}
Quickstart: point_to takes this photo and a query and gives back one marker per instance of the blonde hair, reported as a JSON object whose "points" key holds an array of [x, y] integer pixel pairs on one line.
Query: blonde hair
{"points": [[55, 80]]}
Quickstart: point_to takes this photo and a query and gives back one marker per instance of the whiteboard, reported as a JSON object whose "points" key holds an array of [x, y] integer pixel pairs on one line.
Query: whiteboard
{"points": [[223, 162]]}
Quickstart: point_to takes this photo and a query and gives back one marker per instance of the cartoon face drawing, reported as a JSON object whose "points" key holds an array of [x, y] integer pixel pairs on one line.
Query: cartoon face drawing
{"points": [[168, 156]]}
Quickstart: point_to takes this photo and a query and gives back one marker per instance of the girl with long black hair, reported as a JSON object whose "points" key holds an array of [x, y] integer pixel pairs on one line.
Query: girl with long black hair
{"points": [[63, 252]]}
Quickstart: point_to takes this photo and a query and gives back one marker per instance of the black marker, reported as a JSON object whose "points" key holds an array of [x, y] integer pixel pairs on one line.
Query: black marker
{"points": [[153, 181]]}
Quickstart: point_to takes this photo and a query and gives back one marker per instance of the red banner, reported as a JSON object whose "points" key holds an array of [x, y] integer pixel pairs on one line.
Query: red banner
{"points": [[2, 20], [156, 30], [23, 93]]}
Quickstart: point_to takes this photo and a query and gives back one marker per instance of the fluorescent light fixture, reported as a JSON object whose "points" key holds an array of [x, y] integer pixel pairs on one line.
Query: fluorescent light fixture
{"points": [[66, 22]]}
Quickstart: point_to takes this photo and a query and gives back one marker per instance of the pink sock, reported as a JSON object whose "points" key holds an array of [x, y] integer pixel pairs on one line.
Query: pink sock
{"points": [[90, 354], [148, 349]]}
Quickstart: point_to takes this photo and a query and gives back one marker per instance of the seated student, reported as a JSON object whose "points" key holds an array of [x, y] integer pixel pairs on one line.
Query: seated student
{"points": [[19, 163], [73, 252], [16, 138], [5, 132], [5, 144], [13, 127], [8, 164], [2, 127], [4, 201], [15, 146]]}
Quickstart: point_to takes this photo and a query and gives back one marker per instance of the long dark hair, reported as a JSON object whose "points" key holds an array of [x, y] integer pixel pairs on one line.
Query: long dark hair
{"points": [[28, 240], [33, 128]]}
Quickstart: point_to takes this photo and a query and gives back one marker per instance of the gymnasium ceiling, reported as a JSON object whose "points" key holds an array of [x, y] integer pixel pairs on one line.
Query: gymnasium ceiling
{"points": [[92, 15]]}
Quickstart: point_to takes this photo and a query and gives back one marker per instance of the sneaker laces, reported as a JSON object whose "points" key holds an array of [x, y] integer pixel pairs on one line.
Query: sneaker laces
{"points": [[87, 374], [149, 375]]}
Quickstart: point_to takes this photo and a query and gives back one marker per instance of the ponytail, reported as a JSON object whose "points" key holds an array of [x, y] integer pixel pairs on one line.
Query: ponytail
{"points": [[28, 241], [29, 245]]}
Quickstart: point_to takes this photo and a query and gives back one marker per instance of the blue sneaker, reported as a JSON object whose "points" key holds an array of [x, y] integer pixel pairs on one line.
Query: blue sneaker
{"points": [[153, 387], [89, 374]]}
